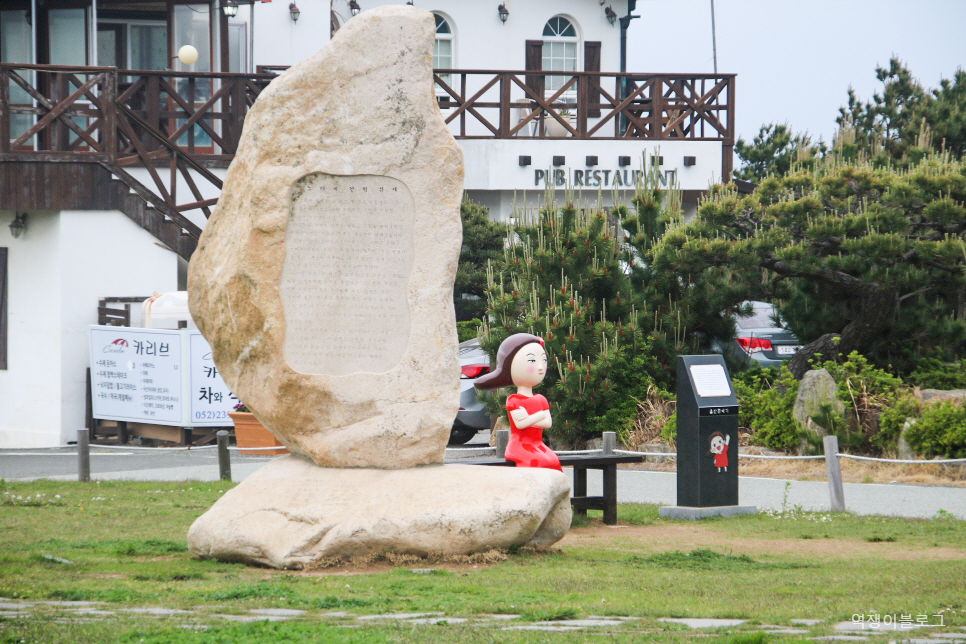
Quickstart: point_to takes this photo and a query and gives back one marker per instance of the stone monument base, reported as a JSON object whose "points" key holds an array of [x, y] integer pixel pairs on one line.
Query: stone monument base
{"points": [[292, 512], [693, 514]]}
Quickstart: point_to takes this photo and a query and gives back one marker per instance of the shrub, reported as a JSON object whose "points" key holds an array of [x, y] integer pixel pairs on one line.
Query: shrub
{"points": [[940, 431], [766, 399], [468, 329], [934, 374], [892, 419]]}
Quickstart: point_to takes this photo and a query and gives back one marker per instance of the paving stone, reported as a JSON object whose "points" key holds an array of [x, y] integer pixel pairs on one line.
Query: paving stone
{"points": [[14, 605], [584, 623], [160, 612], [92, 611], [949, 636], [69, 603], [540, 627], [788, 631], [437, 620], [840, 638], [423, 571], [13, 613], [704, 622], [501, 616], [335, 614], [915, 640], [399, 616], [277, 612], [622, 618], [254, 618], [881, 627], [806, 622]]}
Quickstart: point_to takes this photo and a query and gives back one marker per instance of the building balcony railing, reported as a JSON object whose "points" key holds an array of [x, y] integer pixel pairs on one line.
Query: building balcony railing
{"points": [[179, 125]]}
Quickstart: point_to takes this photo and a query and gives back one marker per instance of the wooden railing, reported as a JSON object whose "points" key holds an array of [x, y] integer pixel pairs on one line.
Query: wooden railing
{"points": [[587, 105], [174, 125], [179, 125]]}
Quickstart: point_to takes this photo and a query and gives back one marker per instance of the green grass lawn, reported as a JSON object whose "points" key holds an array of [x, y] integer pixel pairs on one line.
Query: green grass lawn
{"points": [[123, 544]]}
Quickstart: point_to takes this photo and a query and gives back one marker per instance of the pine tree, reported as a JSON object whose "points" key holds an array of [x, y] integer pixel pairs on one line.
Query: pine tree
{"points": [[857, 257], [483, 241], [563, 278]]}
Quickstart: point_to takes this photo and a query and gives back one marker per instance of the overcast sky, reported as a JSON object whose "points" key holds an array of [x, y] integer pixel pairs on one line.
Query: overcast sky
{"points": [[795, 59]]}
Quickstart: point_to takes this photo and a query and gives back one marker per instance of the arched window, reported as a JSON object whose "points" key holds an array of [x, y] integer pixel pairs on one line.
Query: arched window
{"points": [[443, 48], [559, 50]]}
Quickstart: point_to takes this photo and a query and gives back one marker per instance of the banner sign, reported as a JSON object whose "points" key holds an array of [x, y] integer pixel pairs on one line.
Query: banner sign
{"points": [[156, 376]]}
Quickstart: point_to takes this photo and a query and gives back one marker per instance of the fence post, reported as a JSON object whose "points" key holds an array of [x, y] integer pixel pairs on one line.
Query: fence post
{"points": [[224, 458], [502, 438], [610, 442], [834, 470], [83, 455]]}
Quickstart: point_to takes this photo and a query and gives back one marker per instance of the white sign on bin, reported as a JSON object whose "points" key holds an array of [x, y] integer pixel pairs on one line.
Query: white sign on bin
{"points": [[136, 375], [211, 400]]}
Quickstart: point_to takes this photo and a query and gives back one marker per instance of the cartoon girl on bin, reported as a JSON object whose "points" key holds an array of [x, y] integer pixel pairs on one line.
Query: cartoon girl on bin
{"points": [[719, 450], [522, 361]]}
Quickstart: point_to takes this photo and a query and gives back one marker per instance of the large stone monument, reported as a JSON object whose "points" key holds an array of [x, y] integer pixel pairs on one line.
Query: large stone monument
{"points": [[323, 283]]}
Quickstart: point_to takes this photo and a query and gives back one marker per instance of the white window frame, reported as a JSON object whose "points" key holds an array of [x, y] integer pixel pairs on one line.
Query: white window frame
{"points": [[451, 38], [553, 83]]}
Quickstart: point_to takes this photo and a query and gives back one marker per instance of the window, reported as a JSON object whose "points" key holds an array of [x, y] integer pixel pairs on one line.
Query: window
{"points": [[559, 50], [16, 47], [443, 49]]}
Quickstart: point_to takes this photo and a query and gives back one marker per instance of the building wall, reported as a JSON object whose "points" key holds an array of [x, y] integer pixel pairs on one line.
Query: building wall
{"points": [[481, 40], [58, 269], [30, 387]]}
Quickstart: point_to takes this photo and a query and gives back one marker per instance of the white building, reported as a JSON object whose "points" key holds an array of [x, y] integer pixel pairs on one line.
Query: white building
{"points": [[111, 172]]}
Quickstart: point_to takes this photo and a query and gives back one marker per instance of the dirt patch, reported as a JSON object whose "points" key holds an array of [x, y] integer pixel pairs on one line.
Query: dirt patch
{"points": [[424, 565], [635, 539]]}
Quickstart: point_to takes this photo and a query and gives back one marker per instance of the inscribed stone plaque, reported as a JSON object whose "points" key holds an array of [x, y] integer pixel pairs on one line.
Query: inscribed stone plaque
{"points": [[348, 257]]}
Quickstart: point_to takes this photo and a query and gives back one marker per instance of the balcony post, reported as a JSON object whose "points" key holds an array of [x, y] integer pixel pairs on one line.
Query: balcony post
{"points": [[728, 145], [152, 109], [504, 106], [657, 107], [4, 110], [109, 115], [583, 105]]}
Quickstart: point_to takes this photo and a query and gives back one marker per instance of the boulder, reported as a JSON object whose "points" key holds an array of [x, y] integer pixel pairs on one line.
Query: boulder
{"points": [[903, 448], [935, 395], [324, 279], [816, 389], [292, 512]]}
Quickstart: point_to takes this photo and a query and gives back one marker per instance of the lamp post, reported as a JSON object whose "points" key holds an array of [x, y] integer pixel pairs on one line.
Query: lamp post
{"points": [[229, 8], [504, 12]]}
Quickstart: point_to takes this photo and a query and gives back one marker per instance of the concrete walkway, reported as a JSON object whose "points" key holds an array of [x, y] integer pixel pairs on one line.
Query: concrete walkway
{"points": [[634, 486]]}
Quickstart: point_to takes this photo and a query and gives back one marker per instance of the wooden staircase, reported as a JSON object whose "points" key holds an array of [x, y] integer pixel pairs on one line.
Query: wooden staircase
{"points": [[130, 200]]}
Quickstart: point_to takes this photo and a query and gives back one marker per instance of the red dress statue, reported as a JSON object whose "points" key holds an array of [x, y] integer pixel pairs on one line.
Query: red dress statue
{"points": [[526, 447], [522, 361]]}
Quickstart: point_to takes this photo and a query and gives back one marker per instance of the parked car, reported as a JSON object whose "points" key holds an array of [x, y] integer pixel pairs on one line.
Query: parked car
{"points": [[762, 338], [472, 416]]}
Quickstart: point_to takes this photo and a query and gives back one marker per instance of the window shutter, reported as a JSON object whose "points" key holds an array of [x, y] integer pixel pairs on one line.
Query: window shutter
{"points": [[592, 64], [534, 61], [3, 308]]}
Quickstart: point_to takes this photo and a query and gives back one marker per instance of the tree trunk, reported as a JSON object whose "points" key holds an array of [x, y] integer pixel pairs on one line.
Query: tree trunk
{"points": [[876, 307]]}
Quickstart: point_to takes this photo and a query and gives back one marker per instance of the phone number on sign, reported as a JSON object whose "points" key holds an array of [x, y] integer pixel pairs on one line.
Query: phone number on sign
{"points": [[211, 415]]}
